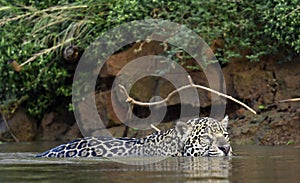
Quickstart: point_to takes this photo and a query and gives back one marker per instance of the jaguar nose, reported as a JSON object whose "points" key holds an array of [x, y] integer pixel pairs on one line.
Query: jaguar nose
{"points": [[225, 149]]}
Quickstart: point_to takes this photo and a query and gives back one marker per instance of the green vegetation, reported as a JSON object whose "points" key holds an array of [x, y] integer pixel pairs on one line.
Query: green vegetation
{"points": [[290, 142], [35, 33]]}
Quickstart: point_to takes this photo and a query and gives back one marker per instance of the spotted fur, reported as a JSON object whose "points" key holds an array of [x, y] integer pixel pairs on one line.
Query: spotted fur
{"points": [[168, 143], [209, 137], [197, 137]]}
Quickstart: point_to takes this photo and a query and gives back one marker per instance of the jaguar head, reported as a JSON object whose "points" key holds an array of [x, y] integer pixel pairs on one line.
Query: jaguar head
{"points": [[209, 137]]}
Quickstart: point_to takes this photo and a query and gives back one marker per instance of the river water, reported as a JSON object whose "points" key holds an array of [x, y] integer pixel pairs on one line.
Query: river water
{"points": [[251, 164]]}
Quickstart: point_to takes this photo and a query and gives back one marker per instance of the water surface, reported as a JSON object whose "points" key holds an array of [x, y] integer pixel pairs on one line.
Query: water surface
{"points": [[252, 164]]}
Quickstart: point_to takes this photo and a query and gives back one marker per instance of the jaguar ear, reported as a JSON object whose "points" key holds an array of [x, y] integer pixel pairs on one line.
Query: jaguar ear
{"points": [[182, 128], [224, 121]]}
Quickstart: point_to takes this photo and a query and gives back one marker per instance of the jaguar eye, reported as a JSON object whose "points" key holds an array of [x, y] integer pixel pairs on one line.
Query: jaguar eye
{"points": [[207, 139]]}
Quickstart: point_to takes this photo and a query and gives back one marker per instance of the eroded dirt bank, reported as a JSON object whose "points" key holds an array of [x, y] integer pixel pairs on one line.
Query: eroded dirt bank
{"points": [[260, 85]]}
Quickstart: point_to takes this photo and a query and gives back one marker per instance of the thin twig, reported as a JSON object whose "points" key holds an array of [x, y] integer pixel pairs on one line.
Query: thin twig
{"points": [[56, 8], [35, 56], [5, 8], [283, 101], [155, 128], [49, 25], [4, 21], [8, 128], [192, 85], [290, 100], [221, 94], [35, 13], [296, 9]]}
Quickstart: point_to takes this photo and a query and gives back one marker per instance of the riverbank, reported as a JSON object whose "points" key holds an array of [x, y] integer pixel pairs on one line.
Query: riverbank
{"points": [[260, 85]]}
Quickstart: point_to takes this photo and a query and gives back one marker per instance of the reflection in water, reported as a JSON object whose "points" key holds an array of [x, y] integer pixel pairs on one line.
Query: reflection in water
{"points": [[193, 168], [216, 169], [253, 164], [183, 169]]}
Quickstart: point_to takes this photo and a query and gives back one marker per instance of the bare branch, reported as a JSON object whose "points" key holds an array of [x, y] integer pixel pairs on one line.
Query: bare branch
{"points": [[155, 128], [283, 101], [290, 100], [221, 94], [192, 85]]}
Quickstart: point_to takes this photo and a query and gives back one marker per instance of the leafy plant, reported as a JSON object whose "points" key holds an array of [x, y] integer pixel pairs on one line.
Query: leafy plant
{"points": [[34, 33]]}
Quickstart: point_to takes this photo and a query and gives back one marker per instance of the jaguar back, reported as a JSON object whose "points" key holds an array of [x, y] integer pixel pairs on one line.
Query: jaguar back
{"points": [[168, 143]]}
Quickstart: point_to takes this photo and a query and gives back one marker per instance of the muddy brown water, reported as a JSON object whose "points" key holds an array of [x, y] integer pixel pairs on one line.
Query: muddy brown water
{"points": [[251, 164]]}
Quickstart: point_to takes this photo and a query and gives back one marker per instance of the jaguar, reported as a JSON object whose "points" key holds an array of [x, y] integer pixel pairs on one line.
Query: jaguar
{"points": [[197, 137]]}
